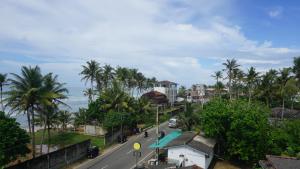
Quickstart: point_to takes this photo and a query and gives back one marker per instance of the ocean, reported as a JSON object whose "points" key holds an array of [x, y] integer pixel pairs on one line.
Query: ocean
{"points": [[75, 100]]}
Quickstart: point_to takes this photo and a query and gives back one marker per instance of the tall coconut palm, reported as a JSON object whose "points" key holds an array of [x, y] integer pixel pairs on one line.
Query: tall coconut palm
{"points": [[296, 68], [230, 66], [89, 93], [107, 75], [285, 84], [140, 82], [26, 93], [56, 94], [251, 78], [90, 72], [122, 76], [65, 118], [267, 86], [3, 82], [217, 75]]}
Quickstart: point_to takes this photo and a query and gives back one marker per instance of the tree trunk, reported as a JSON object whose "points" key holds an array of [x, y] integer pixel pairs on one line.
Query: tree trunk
{"points": [[292, 106], [42, 141], [1, 98], [33, 134], [48, 131], [29, 122], [282, 111], [229, 89], [249, 101]]}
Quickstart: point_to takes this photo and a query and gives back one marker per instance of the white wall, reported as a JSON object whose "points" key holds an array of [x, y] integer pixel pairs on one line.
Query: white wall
{"points": [[193, 157], [94, 130]]}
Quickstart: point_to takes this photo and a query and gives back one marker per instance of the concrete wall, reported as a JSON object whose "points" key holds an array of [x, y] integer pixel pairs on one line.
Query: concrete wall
{"points": [[56, 159], [190, 156], [94, 130]]}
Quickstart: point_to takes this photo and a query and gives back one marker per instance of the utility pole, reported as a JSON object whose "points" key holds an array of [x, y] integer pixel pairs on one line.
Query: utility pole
{"points": [[157, 132]]}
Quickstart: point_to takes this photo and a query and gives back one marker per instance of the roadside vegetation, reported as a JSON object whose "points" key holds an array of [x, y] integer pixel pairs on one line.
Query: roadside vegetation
{"points": [[238, 115]]}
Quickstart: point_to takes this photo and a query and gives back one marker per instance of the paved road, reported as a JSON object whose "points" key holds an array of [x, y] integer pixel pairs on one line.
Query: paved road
{"points": [[123, 158]]}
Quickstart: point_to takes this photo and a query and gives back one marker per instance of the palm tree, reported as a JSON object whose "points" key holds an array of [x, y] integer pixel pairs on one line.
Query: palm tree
{"points": [[90, 72], [107, 75], [217, 75], [89, 93], [122, 76], [26, 93], [251, 79], [141, 82], [188, 117], [56, 92], [230, 66], [81, 117], [64, 118], [286, 85], [296, 68], [3, 81], [268, 86]]}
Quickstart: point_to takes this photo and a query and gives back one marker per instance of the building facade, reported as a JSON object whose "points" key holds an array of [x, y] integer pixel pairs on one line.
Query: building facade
{"points": [[169, 89]]}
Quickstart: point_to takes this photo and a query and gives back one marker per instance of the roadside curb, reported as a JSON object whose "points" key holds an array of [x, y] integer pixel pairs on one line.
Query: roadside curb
{"points": [[92, 162]]}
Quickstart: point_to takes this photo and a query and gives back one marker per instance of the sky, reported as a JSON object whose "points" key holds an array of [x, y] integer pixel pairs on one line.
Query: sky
{"points": [[184, 41]]}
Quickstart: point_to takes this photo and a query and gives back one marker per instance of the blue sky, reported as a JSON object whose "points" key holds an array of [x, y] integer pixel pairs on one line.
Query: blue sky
{"points": [[182, 41]]}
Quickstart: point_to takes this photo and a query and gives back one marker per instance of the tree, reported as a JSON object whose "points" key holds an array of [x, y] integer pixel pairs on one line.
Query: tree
{"points": [[267, 86], [188, 117], [182, 91], [89, 93], [241, 130], [287, 86], [251, 78], [296, 68], [64, 118], [14, 140], [230, 66], [25, 95], [218, 75], [90, 72], [81, 117], [3, 81], [107, 75]]}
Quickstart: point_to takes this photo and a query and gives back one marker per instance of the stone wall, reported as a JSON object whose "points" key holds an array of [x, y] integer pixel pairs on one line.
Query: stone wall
{"points": [[56, 159]]}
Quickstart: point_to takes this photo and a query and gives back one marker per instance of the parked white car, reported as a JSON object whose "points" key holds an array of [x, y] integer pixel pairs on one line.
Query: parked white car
{"points": [[173, 123]]}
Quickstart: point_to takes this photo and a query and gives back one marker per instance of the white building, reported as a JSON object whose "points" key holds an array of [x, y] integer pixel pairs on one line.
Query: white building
{"points": [[196, 93], [169, 89], [190, 149]]}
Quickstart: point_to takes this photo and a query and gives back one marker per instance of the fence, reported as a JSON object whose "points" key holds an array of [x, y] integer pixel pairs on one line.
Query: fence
{"points": [[56, 159]]}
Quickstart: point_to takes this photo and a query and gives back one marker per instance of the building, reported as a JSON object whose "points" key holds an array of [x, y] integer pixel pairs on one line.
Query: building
{"points": [[169, 89], [196, 93], [190, 149], [156, 97], [279, 162]]}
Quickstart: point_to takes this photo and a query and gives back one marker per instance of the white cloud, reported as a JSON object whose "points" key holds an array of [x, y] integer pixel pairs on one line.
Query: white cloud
{"points": [[160, 37], [275, 12]]}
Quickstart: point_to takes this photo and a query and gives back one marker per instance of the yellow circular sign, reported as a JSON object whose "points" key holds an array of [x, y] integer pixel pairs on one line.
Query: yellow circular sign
{"points": [[136, 146]]}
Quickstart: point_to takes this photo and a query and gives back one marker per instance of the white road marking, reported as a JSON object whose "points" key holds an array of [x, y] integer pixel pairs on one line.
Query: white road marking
{"points": [[129, 152], [104, 167], [142, 159], [150, 139]]}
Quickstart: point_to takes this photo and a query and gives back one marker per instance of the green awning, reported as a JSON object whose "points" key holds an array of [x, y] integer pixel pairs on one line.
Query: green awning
{"points": [[165, 140]]}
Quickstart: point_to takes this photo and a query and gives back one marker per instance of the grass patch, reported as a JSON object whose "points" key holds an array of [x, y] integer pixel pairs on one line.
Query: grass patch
{"points": [[67, 138]]}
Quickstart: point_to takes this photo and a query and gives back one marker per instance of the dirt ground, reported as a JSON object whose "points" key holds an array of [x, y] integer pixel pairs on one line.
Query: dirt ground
{"points": [[225, 165]]}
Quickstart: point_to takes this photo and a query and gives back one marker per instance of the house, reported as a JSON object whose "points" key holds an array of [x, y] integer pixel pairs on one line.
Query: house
{"points": [[169, 89], [196, 93], [279, 162], [191, 149], [156, 97]]}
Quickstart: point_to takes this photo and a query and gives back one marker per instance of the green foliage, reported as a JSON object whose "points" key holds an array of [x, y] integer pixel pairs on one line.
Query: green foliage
{"points": [[14, 140], [189, 117], [285, 138], [241, 129]]}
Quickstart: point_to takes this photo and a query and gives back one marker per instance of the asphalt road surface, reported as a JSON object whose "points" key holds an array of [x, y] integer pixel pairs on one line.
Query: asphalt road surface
{"points": [[123, 158]]}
